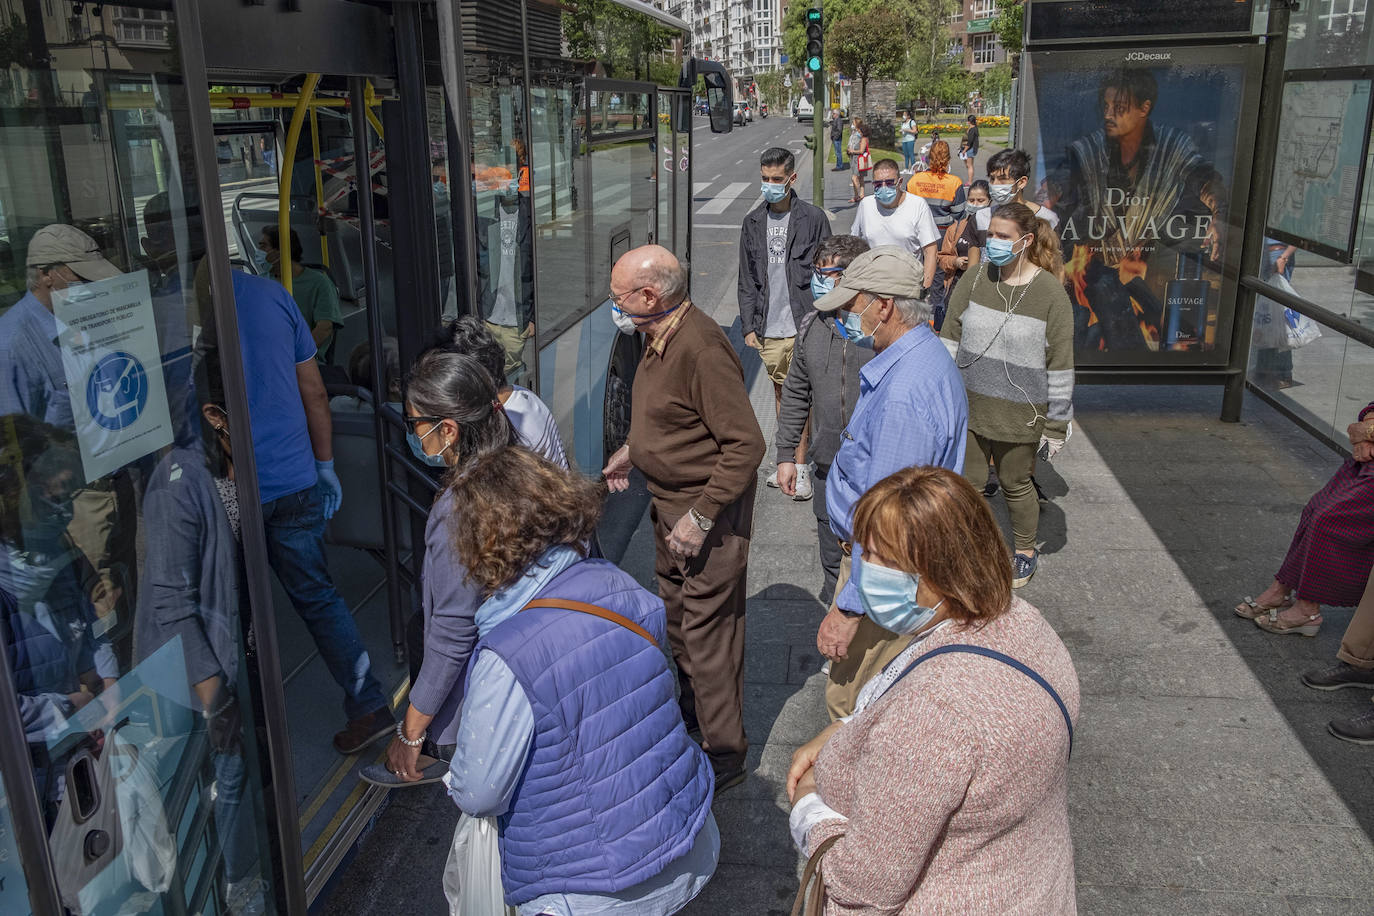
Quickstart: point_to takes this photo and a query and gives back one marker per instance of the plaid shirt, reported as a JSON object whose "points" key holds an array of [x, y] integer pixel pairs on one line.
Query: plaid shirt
{"points": [[659, 342]]}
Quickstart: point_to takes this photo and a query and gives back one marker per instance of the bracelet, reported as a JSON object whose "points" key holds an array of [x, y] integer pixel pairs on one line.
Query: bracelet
{"points": [[401, 736]]}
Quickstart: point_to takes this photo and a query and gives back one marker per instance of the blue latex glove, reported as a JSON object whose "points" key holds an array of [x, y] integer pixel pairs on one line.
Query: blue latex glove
{"points": [[331, 491]]}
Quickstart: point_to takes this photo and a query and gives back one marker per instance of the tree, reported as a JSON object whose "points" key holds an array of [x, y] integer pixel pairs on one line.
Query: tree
{"points": [[832, 11], [930, 56], [1009, 24], [865, 46], [622, 41], [771, 89], [997, 84], [953, 86]]}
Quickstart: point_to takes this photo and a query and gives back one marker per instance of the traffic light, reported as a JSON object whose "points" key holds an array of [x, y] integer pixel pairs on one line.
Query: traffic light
{"points": [[811, 142], [814, 43]]}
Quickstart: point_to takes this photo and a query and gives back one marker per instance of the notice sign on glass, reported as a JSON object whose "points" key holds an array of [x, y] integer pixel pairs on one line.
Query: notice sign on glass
{"points": [[1136, 154], [1319, 165]]}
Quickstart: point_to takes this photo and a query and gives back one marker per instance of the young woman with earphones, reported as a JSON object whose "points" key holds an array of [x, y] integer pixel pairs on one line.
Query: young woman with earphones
{"points": [[1010, 330]]}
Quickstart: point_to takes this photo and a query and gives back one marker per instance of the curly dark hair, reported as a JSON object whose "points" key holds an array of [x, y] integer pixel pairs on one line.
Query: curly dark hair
{"points": [[516, 505]]}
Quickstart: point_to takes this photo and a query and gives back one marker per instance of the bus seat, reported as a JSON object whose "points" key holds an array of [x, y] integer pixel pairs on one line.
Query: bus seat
{"points": [[358, 523]]}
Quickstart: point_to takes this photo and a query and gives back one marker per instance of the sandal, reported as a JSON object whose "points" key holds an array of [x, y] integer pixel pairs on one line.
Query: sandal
{"points": [[1272, 624], [1252, 611]]}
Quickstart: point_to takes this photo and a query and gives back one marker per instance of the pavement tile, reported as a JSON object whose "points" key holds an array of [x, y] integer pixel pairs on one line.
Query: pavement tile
{"points": [[1332, 906], [1172, 901], [752, 889]]}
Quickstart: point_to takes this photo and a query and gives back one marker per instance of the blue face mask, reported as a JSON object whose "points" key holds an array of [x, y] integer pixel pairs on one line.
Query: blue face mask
{"points": [[1000, 251], [885, 195], [417, 447], [261, 264], [852, 325], [889, 598], [774, 193], [821, 285]]}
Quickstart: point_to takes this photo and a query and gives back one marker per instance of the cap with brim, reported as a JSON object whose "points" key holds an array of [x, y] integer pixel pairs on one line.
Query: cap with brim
{"points": [[889, 272], [61, 244]]}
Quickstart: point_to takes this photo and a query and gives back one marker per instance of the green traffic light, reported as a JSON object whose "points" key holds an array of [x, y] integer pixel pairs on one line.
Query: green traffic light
{"points": [[813, 64], [813, 15]]}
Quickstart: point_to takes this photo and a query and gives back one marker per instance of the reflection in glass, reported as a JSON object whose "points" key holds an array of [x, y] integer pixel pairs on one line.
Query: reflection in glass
{"points": [[121, 612]]}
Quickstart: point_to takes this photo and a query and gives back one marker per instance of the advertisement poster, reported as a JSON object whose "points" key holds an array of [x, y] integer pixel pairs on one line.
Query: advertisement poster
{"points": [[1138, 151], [113, 365]]}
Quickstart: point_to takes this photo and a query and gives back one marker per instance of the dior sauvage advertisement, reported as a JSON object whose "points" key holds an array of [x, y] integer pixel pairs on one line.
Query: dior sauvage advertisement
{"points": [[1138, 151]]}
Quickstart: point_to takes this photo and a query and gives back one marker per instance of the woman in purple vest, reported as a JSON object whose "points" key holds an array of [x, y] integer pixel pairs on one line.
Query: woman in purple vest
{"points": [[569, 731]]}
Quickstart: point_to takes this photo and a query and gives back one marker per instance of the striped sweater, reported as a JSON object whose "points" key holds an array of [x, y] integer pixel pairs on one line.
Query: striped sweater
{"points": [[1014, 347]]}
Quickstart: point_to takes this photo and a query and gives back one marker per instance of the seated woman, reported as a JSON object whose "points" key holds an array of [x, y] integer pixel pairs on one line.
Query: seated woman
{"points": [[946, 791], [570, 730], [1332, 550]]}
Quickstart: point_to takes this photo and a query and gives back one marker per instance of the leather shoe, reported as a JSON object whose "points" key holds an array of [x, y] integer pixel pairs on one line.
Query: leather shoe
{"points": [[728, 779], [359, 733]]}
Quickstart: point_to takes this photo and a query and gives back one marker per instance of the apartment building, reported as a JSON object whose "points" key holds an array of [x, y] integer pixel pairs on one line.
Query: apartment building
{"points": [[971, 35], [745, 35]]}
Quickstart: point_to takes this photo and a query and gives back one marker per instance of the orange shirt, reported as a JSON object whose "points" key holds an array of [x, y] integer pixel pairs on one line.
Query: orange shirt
{"points": [[943, 193]]}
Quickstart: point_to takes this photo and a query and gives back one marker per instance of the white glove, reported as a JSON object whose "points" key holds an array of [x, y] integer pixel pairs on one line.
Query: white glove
{"points": [[1049, 446]]}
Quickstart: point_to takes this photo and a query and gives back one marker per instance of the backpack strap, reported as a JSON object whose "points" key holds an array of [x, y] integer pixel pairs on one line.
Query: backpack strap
{"points": [[1006, 660], [595, 610]]}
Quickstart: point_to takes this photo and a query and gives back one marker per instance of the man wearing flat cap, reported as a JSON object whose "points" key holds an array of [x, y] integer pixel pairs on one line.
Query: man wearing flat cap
{"points": [[912, 412]]}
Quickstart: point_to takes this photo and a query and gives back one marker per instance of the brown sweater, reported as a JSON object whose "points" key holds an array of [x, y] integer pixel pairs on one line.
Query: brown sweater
{"points": [[955, 783], [693, 433]]}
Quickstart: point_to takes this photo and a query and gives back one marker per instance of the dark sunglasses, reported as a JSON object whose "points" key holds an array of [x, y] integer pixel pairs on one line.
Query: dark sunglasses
{"points": [[885, 183]]}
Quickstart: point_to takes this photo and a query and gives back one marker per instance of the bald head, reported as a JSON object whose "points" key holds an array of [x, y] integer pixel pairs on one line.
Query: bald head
{"points": [[655, 274]]}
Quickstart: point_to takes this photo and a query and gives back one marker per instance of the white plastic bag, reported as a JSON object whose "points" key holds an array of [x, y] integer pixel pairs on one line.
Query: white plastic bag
{"points": [[1279, 328], [472, 875]]}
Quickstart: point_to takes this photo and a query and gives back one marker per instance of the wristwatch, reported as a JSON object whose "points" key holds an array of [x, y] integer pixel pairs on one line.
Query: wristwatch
{"points": [[704, 523]]}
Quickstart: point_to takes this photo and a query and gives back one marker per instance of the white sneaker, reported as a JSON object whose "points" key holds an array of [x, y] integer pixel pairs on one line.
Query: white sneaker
{"points": [[804, 488], [772, 480]]}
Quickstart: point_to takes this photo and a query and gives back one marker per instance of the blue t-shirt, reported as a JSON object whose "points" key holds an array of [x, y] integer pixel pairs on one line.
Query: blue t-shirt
{"points": [[275, 338]]}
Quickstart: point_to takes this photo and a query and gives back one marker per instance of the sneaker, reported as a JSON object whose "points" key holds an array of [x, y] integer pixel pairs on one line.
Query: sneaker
{"points": [[772, 480], [804, 488], [1356, 729], [1022, 568], [246, 897], [1337, 676], [728, 779], [359, 733]]}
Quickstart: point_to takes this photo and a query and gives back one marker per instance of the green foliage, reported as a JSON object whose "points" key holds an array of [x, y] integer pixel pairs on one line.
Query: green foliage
{"points": [[771, 89], [622, 40], [997, 82], [929, 57], [867, 46], [1009, 24], [794, 23], [953, 85]]}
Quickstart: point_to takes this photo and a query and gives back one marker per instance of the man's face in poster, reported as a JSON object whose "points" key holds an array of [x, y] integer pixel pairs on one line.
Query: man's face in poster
{"points": [[1122, 115]]}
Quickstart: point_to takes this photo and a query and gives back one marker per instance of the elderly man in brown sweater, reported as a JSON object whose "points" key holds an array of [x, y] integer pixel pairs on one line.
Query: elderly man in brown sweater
{"points": [[694, 437]]}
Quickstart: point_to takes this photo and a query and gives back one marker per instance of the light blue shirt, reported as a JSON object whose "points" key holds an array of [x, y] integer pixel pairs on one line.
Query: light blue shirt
{"points": [[32, 379], [912, 412]]}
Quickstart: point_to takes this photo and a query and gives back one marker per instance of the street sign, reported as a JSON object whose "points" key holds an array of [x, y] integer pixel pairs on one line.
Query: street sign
{"points": [[787, 81]]}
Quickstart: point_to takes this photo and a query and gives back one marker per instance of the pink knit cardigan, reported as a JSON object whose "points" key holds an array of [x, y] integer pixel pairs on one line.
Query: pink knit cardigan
{"points": [[955, 783]]}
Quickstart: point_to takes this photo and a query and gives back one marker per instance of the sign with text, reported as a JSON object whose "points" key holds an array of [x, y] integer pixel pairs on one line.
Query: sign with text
{"points": [[1079, 20], [113, 366], [1137, 153]]}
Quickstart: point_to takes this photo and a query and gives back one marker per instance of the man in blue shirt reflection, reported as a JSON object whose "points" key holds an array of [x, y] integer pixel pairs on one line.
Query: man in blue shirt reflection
{"points": [[912, 412]]}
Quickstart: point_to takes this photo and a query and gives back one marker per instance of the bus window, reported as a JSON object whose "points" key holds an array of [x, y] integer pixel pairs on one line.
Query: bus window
{"points": [[560, 200]]}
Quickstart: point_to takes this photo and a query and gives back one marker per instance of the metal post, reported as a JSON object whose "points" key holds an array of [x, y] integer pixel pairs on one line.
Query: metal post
{"points": [[819, 103], [196, 85], [1257, 206]]}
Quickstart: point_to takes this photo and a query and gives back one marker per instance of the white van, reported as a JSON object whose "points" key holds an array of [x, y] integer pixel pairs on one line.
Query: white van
{"points": [[805, 110]]}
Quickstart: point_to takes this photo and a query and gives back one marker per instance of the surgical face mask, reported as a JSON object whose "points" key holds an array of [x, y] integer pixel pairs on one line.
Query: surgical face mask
{"points": [[261, 264], [821, 285], [975, 208], [1001, 193], [885, 195], [852, 323], [627, 323], [774, 193], [417, 448], [888, 597], [1001, 251]]}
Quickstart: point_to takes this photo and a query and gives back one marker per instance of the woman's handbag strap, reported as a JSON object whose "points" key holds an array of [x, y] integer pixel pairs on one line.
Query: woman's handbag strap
{"points": [[596, 611], [813, 873], [993, 654]]}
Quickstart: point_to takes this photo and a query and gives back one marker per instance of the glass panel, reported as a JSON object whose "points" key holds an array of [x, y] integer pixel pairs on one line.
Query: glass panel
{"points": [[120, 603], [503, 209], [665, 174], [683, 209], [14, 889], [559, 198], [1308, 380]]}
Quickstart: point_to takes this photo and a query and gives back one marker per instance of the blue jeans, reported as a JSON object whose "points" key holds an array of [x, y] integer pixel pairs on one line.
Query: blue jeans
{"points": [[839, 154], [909, 153], [295, 548]]}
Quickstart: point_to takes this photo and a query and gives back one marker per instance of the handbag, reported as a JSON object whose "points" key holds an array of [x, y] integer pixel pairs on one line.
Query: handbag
{"points": [[863, 162], [582, 607], [811, 895]]}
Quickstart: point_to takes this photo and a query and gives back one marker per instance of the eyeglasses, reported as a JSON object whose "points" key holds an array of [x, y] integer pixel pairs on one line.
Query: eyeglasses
{"points": [[411, 421], [824, 272], [616, 300], [884, 182]]}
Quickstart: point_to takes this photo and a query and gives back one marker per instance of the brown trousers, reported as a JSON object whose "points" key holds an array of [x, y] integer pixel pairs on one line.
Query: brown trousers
{"points": [[704, 598], [1357, 645], [869, 652]]}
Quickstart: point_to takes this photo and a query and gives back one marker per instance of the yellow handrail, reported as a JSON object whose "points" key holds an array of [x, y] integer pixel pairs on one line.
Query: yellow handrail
{"points": [[293, 136], [319, 181], [370, 102]]}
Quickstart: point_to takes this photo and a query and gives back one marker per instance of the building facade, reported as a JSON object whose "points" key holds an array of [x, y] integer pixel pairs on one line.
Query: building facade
{"points": [[745, 35], [971, 35]]}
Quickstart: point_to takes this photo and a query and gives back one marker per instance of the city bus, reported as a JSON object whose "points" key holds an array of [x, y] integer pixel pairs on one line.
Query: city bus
{"points": [[167, 715]]}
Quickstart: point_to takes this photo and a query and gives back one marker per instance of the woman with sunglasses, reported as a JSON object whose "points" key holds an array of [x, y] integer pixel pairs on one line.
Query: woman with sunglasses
{"points": [[453, 417]]}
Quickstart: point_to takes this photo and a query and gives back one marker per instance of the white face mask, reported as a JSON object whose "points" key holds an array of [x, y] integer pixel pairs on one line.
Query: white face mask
{"points": [[623, 322]]}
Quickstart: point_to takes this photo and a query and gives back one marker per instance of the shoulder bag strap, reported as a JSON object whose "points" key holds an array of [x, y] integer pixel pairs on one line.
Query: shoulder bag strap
{"points": [[595, 611], [811, 875], [1006, 660]]}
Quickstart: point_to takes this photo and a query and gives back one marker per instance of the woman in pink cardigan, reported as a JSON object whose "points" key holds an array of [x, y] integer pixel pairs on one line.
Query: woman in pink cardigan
{"points": [[947, 787]]}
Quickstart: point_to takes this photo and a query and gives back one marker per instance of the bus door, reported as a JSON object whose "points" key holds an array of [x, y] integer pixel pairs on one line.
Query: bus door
{"points": [[674, 175]]}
